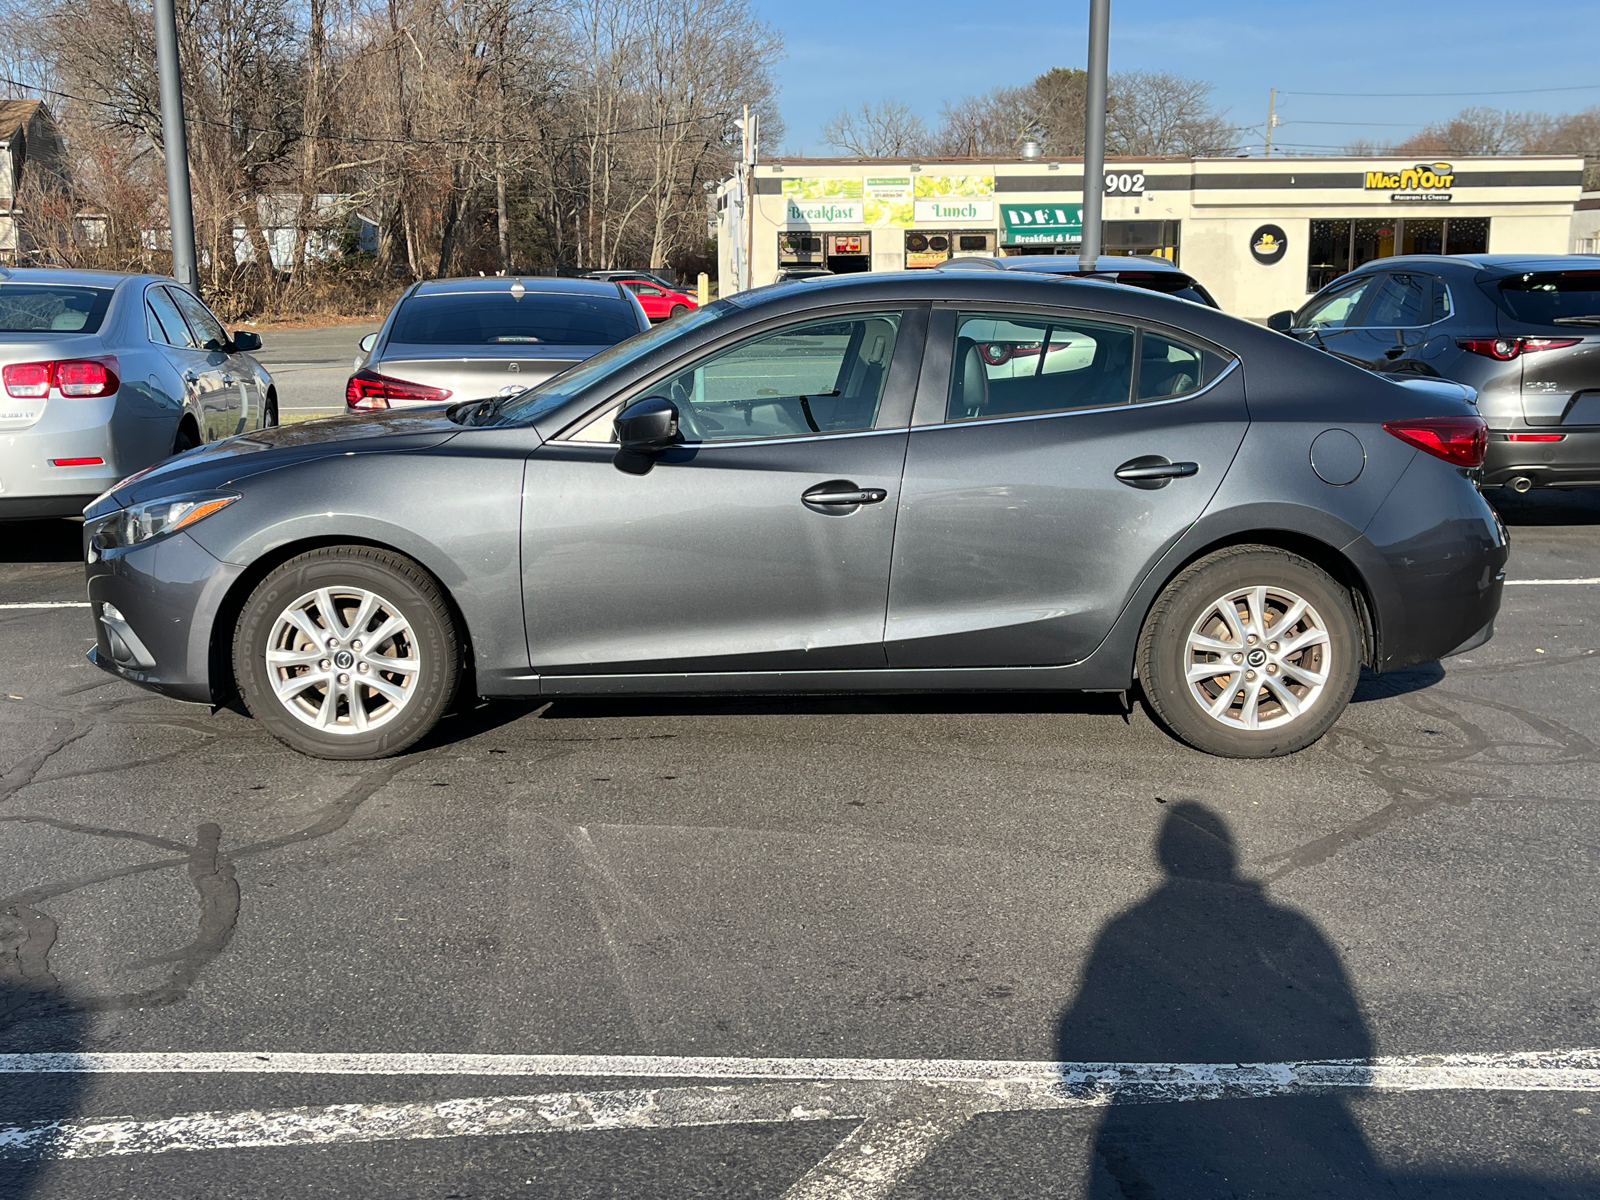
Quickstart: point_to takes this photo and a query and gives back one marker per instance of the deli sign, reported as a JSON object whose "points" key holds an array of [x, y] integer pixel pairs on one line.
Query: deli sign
{"points": [[1425, 182]]}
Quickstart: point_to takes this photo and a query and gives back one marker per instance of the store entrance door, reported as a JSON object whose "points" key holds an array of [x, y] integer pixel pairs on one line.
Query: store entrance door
{"points": [[849, 253]]}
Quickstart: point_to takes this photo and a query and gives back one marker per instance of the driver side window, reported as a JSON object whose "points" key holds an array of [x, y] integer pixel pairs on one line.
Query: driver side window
{"points": [[820, 377], [1335, 311]]}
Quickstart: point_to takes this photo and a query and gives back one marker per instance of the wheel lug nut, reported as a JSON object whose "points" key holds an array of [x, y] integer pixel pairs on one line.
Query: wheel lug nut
{"points": [[1238, 658], [1273, 646], [1272, 668], [344, 679], [363, 668], [1252, 640], [357, 646], [326, 664], [1249, 676]]}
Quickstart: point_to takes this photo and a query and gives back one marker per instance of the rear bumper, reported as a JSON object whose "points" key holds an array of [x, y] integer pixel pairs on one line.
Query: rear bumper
{"points": [[28, 508], [1574, 461], [32, 485]]}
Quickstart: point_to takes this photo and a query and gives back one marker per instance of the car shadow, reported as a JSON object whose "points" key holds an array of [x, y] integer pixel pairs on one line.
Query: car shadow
{"points": [[1373, 686], [28, 1000], [1545, 506], [41, 541], [895, 704], [1209, 968]]}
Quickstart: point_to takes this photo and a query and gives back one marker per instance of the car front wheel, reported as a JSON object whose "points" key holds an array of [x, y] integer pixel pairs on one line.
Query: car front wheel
{"points": [[347, 652], [1251, 652]]}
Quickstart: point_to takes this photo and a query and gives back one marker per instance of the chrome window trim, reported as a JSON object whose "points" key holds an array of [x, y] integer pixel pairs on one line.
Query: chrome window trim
{"points": [[1073, 412]]}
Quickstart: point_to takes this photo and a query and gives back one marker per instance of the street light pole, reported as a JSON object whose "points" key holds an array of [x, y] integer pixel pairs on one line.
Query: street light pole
{"points": [[1094, 132], [180, 211]]}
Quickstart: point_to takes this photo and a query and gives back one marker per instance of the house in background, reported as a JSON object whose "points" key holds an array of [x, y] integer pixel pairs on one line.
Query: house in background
{"points": [[28, 134]]}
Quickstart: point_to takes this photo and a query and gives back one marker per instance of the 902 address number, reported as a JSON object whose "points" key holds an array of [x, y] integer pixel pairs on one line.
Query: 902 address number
{"points": [[1125, 183]]}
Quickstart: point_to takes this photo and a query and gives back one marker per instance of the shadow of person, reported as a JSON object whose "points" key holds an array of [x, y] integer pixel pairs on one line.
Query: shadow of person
{"points": [[36, 1018], [1208, 969]]}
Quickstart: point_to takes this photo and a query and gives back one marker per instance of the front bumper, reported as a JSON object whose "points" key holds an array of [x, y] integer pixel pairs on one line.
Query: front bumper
{"points": [[1574, 461], [164, 597]]}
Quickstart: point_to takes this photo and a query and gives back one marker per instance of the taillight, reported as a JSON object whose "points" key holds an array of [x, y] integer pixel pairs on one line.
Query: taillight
{"points": [[368, 389], [1459, 440], [1504, 349], [76, 377], [1535, 437]]}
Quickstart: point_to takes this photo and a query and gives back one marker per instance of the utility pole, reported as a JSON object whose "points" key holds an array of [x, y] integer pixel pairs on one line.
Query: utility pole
{"points": [[1272, 118], [1094, 133], [175, 142], [752, 134]]}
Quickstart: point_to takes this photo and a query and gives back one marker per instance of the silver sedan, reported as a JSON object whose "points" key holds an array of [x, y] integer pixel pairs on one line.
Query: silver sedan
{"points": [[105, 374]]}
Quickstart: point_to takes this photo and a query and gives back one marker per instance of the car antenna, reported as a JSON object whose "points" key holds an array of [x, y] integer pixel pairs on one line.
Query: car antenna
{"points": [[517, 289]]}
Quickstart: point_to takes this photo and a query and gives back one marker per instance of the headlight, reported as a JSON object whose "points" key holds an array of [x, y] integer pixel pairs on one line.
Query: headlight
{"points": [[157, 518]]}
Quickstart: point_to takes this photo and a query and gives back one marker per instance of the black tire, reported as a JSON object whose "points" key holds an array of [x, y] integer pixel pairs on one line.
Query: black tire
{"points": [[1196, 595], [405, 591], [677, 310], [185, 440], [269, 414]]}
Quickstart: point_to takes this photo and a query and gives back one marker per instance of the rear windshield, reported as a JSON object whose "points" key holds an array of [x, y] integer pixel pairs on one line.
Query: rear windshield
{"points": [[500, 318], [51, 308], [1553, 297]]}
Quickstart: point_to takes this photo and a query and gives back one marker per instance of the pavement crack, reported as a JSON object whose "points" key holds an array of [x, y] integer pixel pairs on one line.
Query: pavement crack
{"points": [[22, 772]]}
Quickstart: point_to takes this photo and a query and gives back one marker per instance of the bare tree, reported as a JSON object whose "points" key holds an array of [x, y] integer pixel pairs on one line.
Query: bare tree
{"points": [[1158, 113], [887, 129]]}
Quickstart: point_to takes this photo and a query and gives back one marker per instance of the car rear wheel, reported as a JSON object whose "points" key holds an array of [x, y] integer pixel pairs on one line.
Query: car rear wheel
{"points": [[185, 439], [269, 414], [347, 652], [1251, 652]]}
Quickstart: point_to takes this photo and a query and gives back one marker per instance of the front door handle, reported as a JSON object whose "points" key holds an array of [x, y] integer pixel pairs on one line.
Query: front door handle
{"points": [[1151, 471], [1394, 351], [836, 494]]}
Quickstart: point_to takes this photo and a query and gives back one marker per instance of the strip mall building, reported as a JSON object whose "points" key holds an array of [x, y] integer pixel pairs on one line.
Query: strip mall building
{"points": [[1260, 234]]}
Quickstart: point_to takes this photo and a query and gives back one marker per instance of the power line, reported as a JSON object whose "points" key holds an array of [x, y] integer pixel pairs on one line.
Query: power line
{"points": [[387, 141], [1576, 87]]}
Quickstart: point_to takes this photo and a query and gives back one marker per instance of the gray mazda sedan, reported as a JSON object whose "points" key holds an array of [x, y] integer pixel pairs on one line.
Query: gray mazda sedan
{"points": [[972, 481], [103, 374]]}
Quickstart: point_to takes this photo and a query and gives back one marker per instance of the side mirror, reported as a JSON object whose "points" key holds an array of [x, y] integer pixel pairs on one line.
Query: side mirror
{"points": [[368, 342], [644, 429], [1283, 321], [245, 340]]}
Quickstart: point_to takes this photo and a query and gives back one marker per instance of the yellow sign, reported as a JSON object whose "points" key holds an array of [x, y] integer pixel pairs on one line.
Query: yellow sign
{"points": [[1436, 178]]}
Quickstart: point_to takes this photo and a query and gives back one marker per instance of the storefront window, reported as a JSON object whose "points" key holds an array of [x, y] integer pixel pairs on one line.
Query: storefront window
{"points": [[1159, 238], [1340, 246]]}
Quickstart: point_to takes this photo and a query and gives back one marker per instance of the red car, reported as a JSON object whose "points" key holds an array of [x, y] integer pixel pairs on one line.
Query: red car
{"points": [[658, 300]]}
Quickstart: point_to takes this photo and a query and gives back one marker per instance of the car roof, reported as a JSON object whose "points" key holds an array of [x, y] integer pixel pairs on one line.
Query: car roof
{"points": [[69, 278], [546, 284], [1498, 264], [1067, 264]]}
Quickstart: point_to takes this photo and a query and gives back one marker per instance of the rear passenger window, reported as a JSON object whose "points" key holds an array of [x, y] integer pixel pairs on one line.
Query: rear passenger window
{"points": [[1007, 366], [1168, 368]]}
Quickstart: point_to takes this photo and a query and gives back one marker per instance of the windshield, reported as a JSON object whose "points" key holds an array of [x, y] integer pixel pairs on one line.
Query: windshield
{"points": [[51, 308], [536, 402], [1553, 297], [501, 318]]}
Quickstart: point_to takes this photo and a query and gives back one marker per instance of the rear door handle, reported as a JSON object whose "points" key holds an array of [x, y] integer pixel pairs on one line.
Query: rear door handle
{"points": [[841, 493], [1152, 471]]}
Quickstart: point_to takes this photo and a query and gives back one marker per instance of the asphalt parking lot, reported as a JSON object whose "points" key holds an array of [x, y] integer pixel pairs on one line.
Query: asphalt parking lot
{"points": [[309, 367], [678, 898]]}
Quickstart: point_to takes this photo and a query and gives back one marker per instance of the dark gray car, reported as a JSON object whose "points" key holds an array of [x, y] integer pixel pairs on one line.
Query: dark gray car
{"points": [[941, 480], [1523, 330], [464, 339], [1146, 271]]}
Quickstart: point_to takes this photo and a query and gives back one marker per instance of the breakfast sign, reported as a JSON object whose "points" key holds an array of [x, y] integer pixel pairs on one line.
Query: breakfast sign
{"points": [[892, 201]]}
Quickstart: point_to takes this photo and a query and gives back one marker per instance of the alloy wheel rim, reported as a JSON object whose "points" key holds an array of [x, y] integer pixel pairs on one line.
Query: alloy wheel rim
{"points": [[343, 660], [1258, 658]]}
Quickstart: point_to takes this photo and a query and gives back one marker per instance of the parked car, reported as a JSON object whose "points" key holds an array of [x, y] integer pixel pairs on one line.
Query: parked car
{"points": [[105, 374], [660, 303], [619, 276], [1522, 330], [465, 339], [828, 488], [1146, 271], [791, 274]]}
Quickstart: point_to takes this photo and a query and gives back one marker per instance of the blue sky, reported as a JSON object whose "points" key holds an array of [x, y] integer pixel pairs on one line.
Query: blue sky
{"points": [[842, 53]]}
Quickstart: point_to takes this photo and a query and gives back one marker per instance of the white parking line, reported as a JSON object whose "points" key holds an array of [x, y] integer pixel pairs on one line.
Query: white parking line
{"points": [[901, 1108], [1548, 582], [51, 604]]}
